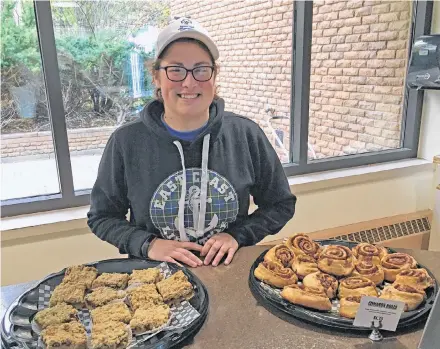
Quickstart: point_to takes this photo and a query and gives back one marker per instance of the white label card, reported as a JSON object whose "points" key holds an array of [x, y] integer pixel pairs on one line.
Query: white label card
{"points": [[382, 313]]}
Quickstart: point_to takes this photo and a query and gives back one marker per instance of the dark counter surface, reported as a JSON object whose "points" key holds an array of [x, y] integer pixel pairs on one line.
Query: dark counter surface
{"points": [[236, 320]]}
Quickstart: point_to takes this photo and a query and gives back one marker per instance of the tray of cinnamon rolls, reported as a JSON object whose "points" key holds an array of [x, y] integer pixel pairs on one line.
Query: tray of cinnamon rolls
{"points": [[323, 281]]}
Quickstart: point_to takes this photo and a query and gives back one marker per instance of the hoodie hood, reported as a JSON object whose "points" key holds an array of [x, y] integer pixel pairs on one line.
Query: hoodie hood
{"points": [[151, 118]]}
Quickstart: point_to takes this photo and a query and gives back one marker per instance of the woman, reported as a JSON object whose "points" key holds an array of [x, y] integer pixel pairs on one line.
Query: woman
{"points": [[187, 168]]}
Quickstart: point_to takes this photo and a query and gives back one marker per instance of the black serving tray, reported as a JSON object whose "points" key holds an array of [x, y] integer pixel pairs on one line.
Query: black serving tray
{"points": [[271, 301], [16, 331]]}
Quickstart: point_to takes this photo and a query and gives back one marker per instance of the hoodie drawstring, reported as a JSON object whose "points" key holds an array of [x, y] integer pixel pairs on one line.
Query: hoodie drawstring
{"points": [[181, 215], [203, 186], [200, 225]]}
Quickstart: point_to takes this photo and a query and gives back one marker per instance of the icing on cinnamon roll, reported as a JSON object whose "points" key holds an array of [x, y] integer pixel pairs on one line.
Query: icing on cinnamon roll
{"points": [[336, 260], [303, 244]]}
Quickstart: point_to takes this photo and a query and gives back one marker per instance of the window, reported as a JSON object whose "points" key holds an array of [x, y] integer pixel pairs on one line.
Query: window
{"points": [[27, 150], [332, 95], [357, 81], [102, 48]]}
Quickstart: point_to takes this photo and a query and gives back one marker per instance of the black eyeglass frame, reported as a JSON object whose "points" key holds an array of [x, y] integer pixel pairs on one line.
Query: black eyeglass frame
{"points": [[187, 71]]}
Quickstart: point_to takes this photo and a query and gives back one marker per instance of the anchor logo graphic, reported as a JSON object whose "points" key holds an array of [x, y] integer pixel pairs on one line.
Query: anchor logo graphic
{"points": [[193, 202], [221, 202]]}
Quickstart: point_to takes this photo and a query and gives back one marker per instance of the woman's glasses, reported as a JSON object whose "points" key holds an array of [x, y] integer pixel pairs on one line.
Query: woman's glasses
{"points": [[177, 73]]}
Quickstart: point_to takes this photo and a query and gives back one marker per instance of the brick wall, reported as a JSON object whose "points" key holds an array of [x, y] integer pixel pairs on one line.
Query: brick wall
{"points": [[359, 56], [40, 143]]}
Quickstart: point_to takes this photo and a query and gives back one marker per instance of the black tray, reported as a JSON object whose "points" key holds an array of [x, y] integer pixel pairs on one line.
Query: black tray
{"points": [[16, 331], [271, 301]]}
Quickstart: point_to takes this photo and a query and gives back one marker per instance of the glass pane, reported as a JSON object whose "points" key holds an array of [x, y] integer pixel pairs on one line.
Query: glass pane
{"points": [[104, 48], [359, 59], [27, 154], [255, 43]]}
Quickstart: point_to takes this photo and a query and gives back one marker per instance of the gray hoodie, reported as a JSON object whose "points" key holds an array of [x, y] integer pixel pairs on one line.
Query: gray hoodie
{"points": [[188, 191]]}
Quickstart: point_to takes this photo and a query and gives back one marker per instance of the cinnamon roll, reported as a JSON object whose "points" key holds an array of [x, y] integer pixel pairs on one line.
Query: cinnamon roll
{"points": [[357, 286], [369, 270], [306, 296], [395, 263], [304, 265], [303, 244], [336, 260], [275, 275], [349, 306], [411, 296], [321, 281], [418, 278], [369, 252], [281, 255]]}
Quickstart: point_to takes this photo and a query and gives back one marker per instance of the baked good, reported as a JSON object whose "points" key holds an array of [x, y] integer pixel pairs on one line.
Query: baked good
{"points": [[303, 265], [148, 319], [113, 280], [110, 335], [280, 254], [59, 314], [368, 252], [418, 278], [356, 286], [324, 282], [411, 296], [336, 260], [395, 263], [143, 296], [69, 293], [275, 275], [145, 276], [111, 312], [70, 335], [80, 274], [349, 306], [103, 295], [175, 287], [303, 244], [306, 296], [371, 271]]}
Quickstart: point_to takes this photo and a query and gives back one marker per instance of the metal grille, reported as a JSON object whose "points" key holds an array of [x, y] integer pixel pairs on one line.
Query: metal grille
{"points": [[388, 232]]}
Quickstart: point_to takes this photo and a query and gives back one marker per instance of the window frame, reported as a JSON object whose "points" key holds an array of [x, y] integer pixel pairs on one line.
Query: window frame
{"points": [[299, 111]]}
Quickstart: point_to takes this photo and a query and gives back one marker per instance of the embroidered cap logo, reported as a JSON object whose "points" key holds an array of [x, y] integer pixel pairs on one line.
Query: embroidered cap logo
{"points": [[186, 24]]}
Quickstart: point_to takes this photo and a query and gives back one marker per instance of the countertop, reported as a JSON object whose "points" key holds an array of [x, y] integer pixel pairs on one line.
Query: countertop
{"points": [[236, 320]]}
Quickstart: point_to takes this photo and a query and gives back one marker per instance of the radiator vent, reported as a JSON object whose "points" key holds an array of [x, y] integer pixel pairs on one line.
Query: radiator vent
{"points": [[388, 232]]}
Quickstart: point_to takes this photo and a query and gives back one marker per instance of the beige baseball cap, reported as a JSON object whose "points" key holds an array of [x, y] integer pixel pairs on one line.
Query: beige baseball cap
{"points": [[184, 27]]}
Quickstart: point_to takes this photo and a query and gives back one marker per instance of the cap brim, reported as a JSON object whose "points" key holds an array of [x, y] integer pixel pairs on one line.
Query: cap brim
{"points": [[192, 35]]}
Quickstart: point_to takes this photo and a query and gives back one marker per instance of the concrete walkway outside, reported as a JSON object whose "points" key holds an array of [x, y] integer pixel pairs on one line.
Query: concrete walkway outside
{"points": [[40, 177]]}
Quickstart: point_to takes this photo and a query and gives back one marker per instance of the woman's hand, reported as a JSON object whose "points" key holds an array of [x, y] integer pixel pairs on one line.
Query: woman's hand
{"points": [[174, 252], [217, 246]]}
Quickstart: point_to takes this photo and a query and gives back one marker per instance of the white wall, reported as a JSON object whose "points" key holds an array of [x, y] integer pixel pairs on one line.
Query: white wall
{"points": [[429, 145]]}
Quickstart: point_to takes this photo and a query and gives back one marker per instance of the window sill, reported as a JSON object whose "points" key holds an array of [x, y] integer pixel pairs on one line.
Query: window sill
{"points": [[355, 175], [75, 218]]}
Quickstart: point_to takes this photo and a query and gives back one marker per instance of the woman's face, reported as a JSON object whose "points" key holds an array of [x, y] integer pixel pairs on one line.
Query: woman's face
{"points": [[188, 97]]}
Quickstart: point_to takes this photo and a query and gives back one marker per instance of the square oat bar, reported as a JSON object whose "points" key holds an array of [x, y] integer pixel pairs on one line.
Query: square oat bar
{"points": [[113, 280], [111, 312], [175, 287], [80, 274], [143, 296], [69, 293], [145, 276], [110, 335], [148, 319], [103, 295], [71, 335], [59, 314]]}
